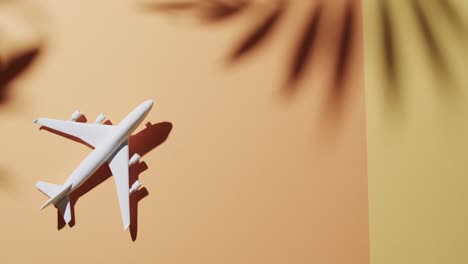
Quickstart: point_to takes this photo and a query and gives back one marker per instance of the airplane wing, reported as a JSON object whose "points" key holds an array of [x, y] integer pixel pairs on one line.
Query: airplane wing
{"points": [[89, 133], [119, 167]]}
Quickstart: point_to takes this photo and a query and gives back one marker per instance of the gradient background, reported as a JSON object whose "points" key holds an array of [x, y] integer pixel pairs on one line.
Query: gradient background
{"points": [[246, 176], [417, 140]]}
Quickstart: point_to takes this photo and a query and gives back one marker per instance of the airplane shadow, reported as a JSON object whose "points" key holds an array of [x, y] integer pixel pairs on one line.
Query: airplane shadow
{"points": [[142, 143]]}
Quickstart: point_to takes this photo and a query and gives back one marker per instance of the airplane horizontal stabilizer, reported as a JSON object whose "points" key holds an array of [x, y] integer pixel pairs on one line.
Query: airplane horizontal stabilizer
{"points": [[64, 191], [48, 189]]}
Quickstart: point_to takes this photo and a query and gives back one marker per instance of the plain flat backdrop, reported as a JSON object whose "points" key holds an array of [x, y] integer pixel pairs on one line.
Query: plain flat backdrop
{"points": [[246, 175]]}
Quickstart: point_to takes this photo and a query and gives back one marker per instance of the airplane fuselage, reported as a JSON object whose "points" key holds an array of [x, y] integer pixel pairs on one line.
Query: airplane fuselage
{"points": [[105, 149]]}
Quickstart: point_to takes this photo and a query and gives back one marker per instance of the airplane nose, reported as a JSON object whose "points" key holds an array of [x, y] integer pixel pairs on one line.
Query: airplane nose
{"points": [[148, 104]]}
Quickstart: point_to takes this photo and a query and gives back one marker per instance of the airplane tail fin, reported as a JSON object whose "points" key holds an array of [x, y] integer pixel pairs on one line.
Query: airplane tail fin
{"points": [[65, 208], [59, 196]]}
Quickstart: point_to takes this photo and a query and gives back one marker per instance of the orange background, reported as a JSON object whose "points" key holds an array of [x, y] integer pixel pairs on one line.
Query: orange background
{"points": [[245, 176]]}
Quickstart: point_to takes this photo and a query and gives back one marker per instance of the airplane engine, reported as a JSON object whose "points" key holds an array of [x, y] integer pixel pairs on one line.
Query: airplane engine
{"points": [[135, 158], [77, 114], [101, 117], [136, 185]]}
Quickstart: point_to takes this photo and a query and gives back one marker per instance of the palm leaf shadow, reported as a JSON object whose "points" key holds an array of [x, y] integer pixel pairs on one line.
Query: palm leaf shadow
{"points": [[388, 47], [259, 34], [453, 16], [430, 40], [5, 180], [218, 11], [264, 29], [207, 11], [434, 51], [345, 48], [306, 43], [12, 70], [171, 6], [305, 47]]}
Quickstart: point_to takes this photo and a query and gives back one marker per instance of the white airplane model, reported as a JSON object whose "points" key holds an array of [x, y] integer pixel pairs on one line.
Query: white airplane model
{"points": [[110, 144]]}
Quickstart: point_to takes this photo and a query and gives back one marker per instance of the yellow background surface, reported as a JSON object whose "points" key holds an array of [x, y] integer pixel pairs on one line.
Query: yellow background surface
{"points": [[245, 175], [417, 140]]}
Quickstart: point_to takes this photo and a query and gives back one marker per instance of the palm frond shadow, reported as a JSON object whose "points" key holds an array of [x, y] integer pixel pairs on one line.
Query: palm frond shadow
{"points": [[207, 11], [305, 46], [259, 34], [388, 44], [267, 24], [13, 69], [23, 31], [5, 180], [453, 16], [433, 49], [346, 46], [430, 41]]}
